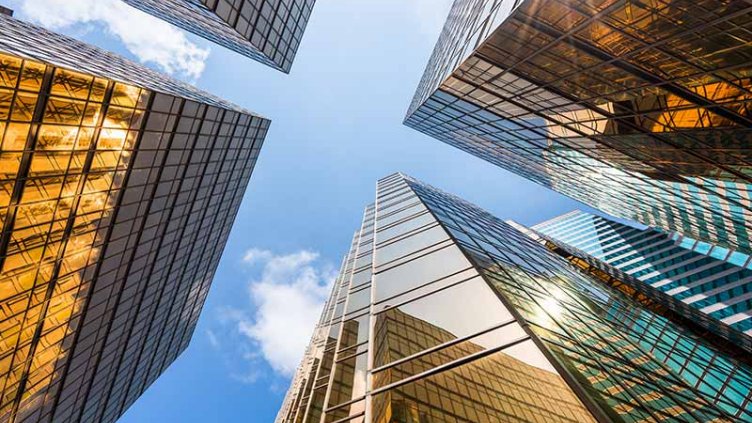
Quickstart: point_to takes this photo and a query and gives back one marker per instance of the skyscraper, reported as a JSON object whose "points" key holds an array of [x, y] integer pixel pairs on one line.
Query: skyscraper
{"points": [[118, 189], [639, 109], [268, 31], [706, 283], [442, 312]]}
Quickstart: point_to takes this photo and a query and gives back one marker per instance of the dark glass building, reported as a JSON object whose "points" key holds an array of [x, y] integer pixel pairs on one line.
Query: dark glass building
{"points": [[268, 31], [442, 312], [707, 283], [118, 189], [639, 109]]}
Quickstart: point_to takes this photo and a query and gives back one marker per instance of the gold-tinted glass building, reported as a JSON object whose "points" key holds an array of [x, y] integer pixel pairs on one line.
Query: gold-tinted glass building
{"points": [[118, 189], [442, 312], [268, 31], [640, 109]]}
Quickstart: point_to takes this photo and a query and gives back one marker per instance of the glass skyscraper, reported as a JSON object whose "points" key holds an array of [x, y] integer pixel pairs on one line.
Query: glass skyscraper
{"points": [[118, 189], [686, 275], [442, 312], [268, 31], [639, 109]]}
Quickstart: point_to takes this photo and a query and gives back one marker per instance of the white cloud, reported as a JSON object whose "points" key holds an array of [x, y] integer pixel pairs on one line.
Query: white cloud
{"points": [[255, 254], [213, 340], [288, 298], [148, 38]]}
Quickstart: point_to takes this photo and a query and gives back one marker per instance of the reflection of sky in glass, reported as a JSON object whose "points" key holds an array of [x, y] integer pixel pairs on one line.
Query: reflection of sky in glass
{"points": [[359, 381], [461, 310], [399, 279], [528, 353]]}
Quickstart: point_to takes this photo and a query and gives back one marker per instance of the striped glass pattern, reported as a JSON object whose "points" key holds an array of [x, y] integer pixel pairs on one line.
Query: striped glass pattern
{"points": [[711, 279]]}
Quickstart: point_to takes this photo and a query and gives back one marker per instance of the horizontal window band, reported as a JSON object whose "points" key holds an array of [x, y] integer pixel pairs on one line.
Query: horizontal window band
{"points": [[423, 286], [450, 365], [450, 244], [444, 345], [349, 418], [419, 253]]}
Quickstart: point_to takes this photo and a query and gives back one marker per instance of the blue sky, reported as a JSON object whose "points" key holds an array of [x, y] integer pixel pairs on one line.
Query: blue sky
{"points": [[337, 127]]}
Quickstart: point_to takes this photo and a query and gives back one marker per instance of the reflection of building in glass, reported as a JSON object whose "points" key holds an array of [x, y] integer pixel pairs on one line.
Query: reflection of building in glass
{"points": [[496, 387], [708, 284], [472, 321], [639, 109], [118, 188], [268, 31]]}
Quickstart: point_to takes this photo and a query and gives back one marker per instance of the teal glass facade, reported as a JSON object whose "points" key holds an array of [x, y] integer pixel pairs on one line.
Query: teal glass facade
{"points": [[442, 312], [639, 109], [676, 270]]}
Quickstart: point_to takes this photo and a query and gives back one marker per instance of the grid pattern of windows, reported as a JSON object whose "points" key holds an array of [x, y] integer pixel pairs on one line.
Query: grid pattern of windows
{"points": [[639, 109], [116, 201], [442, 313], [268, 31], [712, 280]]}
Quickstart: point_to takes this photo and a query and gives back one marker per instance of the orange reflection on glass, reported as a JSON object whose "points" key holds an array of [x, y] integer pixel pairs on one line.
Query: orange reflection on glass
{"points": [[55, 233], [514, 385]]}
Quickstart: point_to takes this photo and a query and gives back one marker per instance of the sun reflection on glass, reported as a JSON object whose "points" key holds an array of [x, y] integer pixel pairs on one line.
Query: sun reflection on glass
{"points": [[552, 307]]}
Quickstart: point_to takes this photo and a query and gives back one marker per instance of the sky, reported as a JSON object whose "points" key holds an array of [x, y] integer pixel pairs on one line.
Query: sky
{"points": [[336, 128]]}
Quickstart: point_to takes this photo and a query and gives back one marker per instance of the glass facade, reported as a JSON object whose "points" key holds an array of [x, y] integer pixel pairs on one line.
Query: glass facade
{"points": [[639, 109], [268, 31], [678, 271], [118, 189], [441, 312]]}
